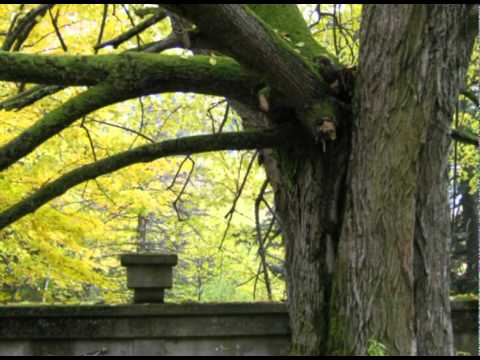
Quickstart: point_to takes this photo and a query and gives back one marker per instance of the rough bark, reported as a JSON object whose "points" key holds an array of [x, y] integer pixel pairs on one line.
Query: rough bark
{"points": [[341, 299], [291, 71], [432, 229], [261, 48], [396, 189], [432, 248]]}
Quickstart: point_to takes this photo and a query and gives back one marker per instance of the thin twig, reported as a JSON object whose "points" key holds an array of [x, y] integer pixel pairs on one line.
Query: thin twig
{"points": [[225, 118], [230, 213], [116, 42], [178, 171], [102, 27], [22, 28], [260, 239], [132, 22], [210, 114], [57, 30], [142, 121], [123, 128], [92, 147], [182, 191]]}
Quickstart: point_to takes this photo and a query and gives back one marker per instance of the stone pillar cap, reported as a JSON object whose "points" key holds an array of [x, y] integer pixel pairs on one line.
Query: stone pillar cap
{"points": [[149, 259]]}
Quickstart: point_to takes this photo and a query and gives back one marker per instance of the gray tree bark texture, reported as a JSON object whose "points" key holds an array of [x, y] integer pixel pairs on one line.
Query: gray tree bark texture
{"points": [[372, 266]]}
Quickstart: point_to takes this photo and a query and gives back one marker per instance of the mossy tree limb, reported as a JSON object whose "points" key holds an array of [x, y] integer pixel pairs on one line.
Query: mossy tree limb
{"points": [[128, 76], [142, 70], [146, 153], [266, 50]]}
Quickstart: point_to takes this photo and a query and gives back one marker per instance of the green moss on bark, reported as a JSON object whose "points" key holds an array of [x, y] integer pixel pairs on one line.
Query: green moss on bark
{"points": [[287, 21]]}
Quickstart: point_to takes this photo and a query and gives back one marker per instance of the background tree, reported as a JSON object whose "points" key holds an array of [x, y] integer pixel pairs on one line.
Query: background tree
{"points": [[356, 158]]}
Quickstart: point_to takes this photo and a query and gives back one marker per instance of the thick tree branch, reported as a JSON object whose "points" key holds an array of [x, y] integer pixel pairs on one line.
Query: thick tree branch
{"points": [[239, 32], [146, 153], [141, 72], [132, 76], [23, 27], [275, 41], [55, 70]]}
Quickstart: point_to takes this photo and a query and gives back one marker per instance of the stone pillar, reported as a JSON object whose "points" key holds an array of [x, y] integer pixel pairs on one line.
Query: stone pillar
{"points": [[149, 275]]}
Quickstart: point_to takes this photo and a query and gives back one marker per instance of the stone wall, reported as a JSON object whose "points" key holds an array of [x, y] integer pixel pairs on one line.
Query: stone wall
{"points": [[465, 326], [168, 329]]}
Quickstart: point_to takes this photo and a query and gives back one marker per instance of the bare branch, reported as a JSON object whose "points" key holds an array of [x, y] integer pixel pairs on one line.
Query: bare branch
{"points": [[230, 213], [102, 25], [124, 128], [182, 191], [225, 117], [174, 180], [170, 42], [90, 140], [29, 97], [54, 20], [210, 114], [465, 137], [470, 95], [146, 153], [133, 31], [132, 22], [142, 121], [261, 239], [13, 23], [22, 28]]}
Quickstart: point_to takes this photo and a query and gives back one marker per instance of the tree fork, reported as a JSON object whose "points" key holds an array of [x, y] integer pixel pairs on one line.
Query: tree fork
{"points": [[289, 68]]}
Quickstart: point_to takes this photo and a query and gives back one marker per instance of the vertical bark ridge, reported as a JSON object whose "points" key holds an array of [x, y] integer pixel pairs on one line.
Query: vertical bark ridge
{"points": [[399, 100], [432, 228]]}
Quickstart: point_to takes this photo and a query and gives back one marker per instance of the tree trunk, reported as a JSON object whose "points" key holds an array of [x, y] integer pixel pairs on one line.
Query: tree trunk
{"points": [[309, 189], [367, 252], [397, 190]]}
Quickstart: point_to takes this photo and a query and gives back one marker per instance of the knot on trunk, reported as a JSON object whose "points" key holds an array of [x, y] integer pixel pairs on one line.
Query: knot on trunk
{"points": [[319, 117]]}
